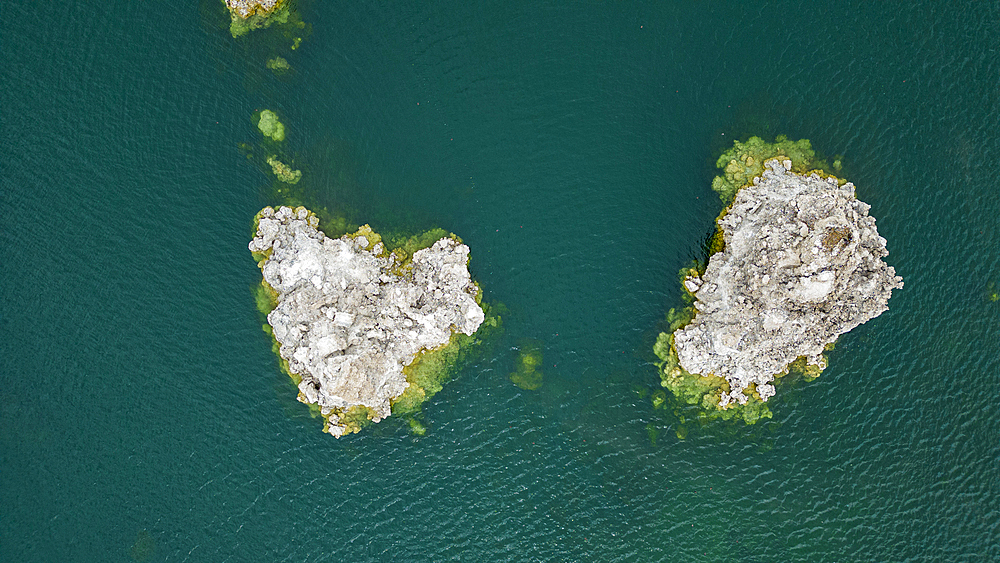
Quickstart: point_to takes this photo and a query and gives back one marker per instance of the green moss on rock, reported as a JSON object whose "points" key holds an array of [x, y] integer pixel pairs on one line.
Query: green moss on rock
{"points": [[702, 392], [745, 161], [278, 65], [431, 369]]}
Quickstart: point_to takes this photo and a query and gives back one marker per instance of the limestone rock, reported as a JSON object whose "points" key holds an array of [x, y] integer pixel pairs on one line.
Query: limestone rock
{"points": [[802, 264], [349, 317]]}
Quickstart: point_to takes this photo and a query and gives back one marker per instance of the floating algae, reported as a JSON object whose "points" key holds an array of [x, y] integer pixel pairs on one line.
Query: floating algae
{"points": [[796, 263], [365, 331], [269, 125]]}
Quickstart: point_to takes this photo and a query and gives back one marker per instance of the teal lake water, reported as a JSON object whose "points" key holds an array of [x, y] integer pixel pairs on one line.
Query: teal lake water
{"points": [[571, 145]]}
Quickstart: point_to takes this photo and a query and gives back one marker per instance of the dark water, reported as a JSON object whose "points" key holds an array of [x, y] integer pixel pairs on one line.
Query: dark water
{"points": [[571, 146]]}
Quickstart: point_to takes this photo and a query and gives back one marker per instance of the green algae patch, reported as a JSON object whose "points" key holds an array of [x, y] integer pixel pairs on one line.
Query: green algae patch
{"points": [[658, 399], [278, 65], [265, 298], [432, 369], [745, 161], [283, 171], [652, 432], [526, 374], [258, 16], [693, 390], [270, 126]]}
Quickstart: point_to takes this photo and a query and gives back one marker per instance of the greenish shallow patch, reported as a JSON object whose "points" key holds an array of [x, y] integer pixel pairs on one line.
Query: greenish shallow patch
{"points": [[278, 65], [143, 547], [526, 374], [270, 126]]}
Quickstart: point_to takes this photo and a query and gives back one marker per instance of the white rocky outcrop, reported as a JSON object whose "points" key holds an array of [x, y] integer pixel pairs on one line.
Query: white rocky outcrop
{"points": [[346, 323], [802, 265]]}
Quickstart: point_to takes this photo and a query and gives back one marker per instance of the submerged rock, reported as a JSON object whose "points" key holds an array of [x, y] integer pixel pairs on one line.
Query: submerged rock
{"points": [[801, 264], [350, 315], [526, 374], [283, 171], [278, 65]]}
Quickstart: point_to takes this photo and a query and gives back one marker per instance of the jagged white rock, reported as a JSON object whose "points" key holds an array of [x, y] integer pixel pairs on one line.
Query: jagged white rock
{"points": [[345, 322], [802, 265]]}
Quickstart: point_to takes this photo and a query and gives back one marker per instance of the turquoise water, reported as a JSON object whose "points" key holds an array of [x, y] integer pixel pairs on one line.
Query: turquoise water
{"points": [[571, 146]]}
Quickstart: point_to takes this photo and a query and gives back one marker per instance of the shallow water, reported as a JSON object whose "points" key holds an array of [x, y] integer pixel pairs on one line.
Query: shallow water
{"points": [[571, 146]]}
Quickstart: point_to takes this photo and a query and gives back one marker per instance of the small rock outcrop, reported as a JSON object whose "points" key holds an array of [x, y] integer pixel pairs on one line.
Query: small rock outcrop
{"points": [[801, 265], [350, 315]]}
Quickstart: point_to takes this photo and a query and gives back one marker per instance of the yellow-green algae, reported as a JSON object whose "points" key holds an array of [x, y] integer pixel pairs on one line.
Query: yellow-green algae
{"points": [[283, 171], [278, 65], [658, 399], [270, 126], [429, 370], [281, 14], [526, 374], [740, 164], [745, 161]]}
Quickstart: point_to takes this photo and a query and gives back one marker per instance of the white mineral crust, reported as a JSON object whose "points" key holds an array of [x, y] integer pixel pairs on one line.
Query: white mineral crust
{"points": [[346, 324], [802, 265]]}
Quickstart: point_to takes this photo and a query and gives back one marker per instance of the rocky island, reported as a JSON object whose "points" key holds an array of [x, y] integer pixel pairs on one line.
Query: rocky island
{"points": [[797, 262], [352, 319]]}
